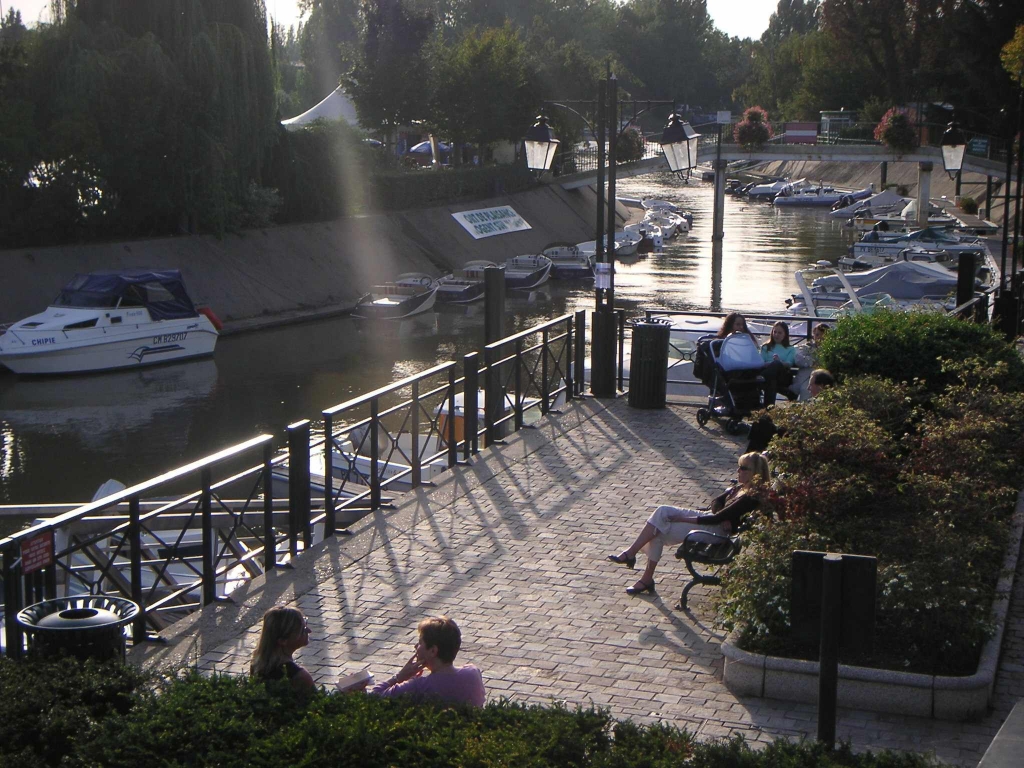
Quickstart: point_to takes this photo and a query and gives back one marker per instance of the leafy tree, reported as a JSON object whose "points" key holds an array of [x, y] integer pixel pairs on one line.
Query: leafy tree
{"points": [[1012, 56], [387, 78], [485, 89], [791, 17], [330, 26]]}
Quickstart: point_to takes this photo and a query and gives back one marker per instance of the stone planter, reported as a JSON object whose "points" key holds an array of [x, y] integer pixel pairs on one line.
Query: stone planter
{"points": [[878, 690]]}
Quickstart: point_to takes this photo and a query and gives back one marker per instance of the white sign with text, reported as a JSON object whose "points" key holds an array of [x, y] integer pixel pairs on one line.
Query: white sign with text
{"points": [[487, 222]]}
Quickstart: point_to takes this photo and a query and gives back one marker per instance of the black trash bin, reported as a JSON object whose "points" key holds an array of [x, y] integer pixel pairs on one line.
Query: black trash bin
{"points": [[648, 364], [86, 627]]}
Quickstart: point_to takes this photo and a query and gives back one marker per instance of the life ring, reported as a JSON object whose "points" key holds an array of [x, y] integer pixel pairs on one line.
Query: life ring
{"points": [[211, 316]]}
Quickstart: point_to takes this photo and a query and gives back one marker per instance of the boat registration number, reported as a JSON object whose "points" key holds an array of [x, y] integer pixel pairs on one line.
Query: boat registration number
{"points": [[167, 338]]}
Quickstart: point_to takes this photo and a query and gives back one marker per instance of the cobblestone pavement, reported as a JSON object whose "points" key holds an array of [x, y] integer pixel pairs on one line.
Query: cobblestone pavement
{"points": [[513, 547]]}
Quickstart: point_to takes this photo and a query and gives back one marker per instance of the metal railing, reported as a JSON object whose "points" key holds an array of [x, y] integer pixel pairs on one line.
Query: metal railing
{"points": [[189, 537]]}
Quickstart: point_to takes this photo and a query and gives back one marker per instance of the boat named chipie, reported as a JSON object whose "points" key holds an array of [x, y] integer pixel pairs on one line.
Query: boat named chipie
{"points": [[109, 320]]}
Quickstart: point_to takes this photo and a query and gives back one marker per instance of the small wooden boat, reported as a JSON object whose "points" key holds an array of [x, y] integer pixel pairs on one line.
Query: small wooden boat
{"points": [[410, 294]]}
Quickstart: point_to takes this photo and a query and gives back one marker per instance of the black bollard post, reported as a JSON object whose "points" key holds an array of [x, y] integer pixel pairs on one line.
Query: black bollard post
{"points": [[828, 657], [965, 279], [494, 330]]}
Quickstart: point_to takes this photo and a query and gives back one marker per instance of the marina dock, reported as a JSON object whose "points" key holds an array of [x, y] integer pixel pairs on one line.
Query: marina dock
{"points": [[513, 547]]}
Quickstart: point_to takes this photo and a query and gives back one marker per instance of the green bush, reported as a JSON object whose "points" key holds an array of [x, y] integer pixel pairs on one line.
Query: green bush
{"points": [[189, 719], [49, 707], [909, 346], [969, 205], [629, 146], [924, 482], [896, 131]]}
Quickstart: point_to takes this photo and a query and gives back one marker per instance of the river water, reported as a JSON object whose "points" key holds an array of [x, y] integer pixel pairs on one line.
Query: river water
{"points": [[61, 438]]}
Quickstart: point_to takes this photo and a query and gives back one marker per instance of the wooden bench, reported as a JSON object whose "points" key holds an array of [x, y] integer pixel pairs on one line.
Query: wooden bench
{"points": [[710, 550]]}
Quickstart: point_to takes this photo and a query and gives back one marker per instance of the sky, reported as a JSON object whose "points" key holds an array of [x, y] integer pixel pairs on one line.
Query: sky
{"points": [[737, 18]]}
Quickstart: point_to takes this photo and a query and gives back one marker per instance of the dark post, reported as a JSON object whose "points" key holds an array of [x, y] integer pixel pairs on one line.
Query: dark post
{"points": [[828, 675], [298, 480], [956, 190], [602, 347], [12, 604], [885, 175], [329, 499], [599, 244], [269, 539], [544, 399], [135, 551], [414, 429], [581, 345], [620, 315], [374, 454], [518, 398], [490, 432], [988, 197], [965, 279], [471, 363], [494, 330], [453, 453], [209, 541], [567, 348]]}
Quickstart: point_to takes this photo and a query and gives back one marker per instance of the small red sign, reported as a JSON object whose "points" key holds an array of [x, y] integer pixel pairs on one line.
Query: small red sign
{"points": [[37, 552]]}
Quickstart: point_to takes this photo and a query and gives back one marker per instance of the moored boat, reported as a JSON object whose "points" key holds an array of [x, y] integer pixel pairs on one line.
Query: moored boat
{"points": [[527, 271], [465, 285], [411, 293], [109, 320], [877, 248], [567, 263], [802, 193]]}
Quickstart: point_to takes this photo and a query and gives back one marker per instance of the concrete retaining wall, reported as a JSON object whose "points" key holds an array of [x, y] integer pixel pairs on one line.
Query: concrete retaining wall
{"points": [[305, 266]]}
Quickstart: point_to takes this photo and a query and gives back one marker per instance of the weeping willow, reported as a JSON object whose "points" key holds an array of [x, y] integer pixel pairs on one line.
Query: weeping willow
{"points": [[168, 104]]}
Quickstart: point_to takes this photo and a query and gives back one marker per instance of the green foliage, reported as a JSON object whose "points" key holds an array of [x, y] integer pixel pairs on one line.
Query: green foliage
{"points": [[51, 706], [896, 131], [754, 130], [908, 346], [396, 191], [921, 475], [1012, 55], [84, 716], [629, 145], [968, 205]]}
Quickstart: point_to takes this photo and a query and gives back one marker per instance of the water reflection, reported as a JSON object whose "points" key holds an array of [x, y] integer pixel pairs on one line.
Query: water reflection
{"points": [[61, 438]]}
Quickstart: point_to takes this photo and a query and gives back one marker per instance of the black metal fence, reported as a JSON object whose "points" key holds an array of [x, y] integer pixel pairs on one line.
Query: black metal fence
{"points": [[187, 538]]}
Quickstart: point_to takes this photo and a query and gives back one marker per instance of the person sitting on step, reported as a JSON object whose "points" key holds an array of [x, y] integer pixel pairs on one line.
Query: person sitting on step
{"points": [[780, 359]]}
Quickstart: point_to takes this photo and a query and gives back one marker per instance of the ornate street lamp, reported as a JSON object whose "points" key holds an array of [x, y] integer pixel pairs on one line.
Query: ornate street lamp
{"points": [[953, 147], [541, 145], [679, 141]]}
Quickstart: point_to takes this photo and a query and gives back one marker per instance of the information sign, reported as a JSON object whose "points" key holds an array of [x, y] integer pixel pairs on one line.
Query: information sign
{"points": [[37, 552], [487, 222]]}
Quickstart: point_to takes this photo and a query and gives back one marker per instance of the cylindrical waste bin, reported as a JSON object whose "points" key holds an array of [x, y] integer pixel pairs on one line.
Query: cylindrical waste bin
{"points": [[87, 626], [648, 363]]}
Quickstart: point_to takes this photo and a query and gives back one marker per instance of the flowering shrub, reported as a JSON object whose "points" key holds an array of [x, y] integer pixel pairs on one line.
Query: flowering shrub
{"points": [[629, 146], [920, 477], [896, 130], [754, 130]]}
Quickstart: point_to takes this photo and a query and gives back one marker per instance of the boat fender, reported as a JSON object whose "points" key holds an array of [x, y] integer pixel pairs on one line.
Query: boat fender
{"points": [[211, 316]]}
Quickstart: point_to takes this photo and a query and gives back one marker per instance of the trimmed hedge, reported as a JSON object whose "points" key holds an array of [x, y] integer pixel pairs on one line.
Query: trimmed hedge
{"points": [[193, 720], [919, 469]]}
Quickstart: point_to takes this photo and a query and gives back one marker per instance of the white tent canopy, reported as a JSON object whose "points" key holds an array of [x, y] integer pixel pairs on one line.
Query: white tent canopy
{"points": [[337, 106]]}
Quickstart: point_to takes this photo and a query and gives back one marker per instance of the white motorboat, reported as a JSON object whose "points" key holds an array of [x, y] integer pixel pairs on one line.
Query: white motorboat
{"points": [[671, 224], [884, 203], [527, 271], [767, 191], [877, 247], [465, 285], [626, 244], [802, 193], [567, 263], [653, 240], [411, 293], [108, 320], [661, 206]]}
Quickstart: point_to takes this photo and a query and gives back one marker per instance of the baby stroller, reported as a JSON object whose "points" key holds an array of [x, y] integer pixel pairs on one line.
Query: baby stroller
{"points": [[731, 370]]}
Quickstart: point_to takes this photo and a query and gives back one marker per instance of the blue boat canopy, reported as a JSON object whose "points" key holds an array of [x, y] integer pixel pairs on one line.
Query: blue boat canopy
{"points": [[161, 292]]}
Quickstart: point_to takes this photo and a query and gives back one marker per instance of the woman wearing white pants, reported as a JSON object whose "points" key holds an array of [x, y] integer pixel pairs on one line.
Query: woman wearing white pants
{"points": [[670, 525]]}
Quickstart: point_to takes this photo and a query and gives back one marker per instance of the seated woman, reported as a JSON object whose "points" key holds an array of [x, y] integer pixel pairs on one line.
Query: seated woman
{"points": [[734, 322], [439, 642], [284, 632], [670, 525], [780, 358]]}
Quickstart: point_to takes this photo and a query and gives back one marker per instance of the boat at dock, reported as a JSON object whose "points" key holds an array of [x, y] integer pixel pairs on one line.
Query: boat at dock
{"points": [[568, 263], [411, 293], [464, 286], [105, 321], [802, 193], [877, 247], [527, 271]]}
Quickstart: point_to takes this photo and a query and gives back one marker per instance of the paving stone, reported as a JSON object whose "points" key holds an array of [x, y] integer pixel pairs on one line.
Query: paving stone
{"points": [[513, 547]]}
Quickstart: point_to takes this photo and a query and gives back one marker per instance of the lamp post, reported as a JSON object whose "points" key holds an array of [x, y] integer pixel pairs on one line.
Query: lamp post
{"points": [[679, 142], [954, 145], [541, 145]]}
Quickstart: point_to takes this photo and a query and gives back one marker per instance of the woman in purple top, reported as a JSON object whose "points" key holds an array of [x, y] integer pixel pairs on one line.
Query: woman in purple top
{"points": [[439, 642]]}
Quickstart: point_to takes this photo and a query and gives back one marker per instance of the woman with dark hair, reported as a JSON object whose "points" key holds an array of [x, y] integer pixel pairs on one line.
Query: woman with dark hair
{"points": [[780, 359], [734, 322], [284, 631], [670, 525]]}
